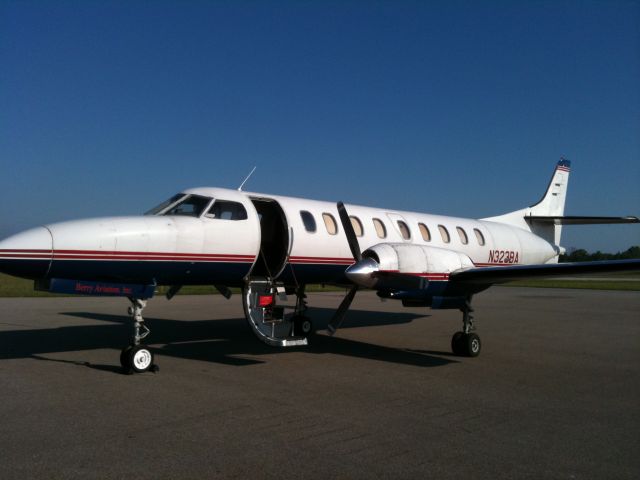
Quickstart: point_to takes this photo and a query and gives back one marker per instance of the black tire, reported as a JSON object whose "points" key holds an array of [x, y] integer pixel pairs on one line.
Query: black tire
{"points": [[124, 356], [472, 345], [456, 343], [306, 326], [140, 359], [303, 326]]}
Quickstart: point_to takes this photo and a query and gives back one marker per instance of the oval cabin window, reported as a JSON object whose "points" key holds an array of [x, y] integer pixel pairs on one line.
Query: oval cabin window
{"points": [[357, 226], [330, 223], [381, 230], [479, 237], [308, 220], [444, 233], [404, 230], [424, 231], [463, 235]]}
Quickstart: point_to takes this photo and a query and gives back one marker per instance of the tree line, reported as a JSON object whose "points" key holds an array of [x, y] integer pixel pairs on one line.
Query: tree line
{"points": [[581, 255]]}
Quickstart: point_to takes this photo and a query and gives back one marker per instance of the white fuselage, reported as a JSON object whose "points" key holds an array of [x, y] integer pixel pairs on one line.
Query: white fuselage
{"points": [[176, 249]]}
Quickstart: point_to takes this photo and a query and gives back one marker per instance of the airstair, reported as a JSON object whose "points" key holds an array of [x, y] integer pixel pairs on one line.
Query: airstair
{"points": [[269, 320]]}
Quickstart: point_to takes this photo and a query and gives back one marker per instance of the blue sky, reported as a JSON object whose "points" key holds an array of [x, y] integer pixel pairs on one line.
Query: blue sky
{"points": [[457, 108]]}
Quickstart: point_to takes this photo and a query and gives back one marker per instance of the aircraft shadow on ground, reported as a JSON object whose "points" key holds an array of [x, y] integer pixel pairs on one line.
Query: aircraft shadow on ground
{"points": [[219, 341]]}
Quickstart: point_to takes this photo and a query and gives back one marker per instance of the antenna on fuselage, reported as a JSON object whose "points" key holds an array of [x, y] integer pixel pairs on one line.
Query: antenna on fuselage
{"points": [[245, 180]]}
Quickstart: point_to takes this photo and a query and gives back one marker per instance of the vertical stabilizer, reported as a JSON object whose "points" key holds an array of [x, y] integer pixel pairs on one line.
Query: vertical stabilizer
{"points": [[551, 205]]}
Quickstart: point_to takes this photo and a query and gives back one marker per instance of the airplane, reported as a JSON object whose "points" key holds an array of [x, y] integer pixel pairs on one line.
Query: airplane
{"points": [[273, 246]]}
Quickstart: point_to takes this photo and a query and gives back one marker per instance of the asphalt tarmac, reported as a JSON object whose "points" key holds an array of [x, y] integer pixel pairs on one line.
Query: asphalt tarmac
{"points": [[555, 392]]}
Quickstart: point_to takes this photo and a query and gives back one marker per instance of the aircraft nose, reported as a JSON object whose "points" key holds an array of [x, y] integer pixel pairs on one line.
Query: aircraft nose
{"points": [[27, 254]]}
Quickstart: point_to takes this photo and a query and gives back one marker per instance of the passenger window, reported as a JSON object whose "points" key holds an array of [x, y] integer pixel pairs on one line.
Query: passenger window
{"points": [[381, 230], [479, 236], [226, 210], [308, 220], [357, 226], [463, 235], [404, 230], [424, 231], [444, 233], [330, 223]]}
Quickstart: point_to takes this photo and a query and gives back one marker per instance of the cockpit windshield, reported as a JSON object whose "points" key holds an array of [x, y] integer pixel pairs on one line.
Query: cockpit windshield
{"points": [[181, 204], [192, 206], [164, 205]]}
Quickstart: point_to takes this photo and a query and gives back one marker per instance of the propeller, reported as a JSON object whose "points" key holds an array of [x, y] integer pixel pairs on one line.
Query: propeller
{"points": [[338, 317], [349, 232], [365, 272]]}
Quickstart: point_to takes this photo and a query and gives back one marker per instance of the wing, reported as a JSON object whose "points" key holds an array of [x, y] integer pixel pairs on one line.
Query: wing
{"points": [[490, 275]]}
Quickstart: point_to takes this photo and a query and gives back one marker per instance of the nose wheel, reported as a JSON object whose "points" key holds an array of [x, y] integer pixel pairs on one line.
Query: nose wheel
{"points": [[135, 357]]}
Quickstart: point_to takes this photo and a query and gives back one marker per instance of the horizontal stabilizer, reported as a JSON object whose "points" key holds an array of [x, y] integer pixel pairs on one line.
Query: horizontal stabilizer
{"points": [[575, 220], [490, 275]]}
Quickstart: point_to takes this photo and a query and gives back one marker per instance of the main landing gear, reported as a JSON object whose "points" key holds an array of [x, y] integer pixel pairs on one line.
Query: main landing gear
{"points": [[137, 358], [302, 325], [466, 343]]}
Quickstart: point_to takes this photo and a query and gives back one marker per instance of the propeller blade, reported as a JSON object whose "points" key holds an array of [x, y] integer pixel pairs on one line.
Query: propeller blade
{"points": [[173, 291], [335, 322], [349, 232], [224, 291]]}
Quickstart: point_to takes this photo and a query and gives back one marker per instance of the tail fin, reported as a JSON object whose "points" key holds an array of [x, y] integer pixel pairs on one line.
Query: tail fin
{"points": [[551, 205], [546, 217]]}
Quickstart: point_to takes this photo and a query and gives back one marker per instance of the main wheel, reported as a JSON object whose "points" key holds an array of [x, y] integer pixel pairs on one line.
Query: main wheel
{"points": [[140, 359], [303, 326]]}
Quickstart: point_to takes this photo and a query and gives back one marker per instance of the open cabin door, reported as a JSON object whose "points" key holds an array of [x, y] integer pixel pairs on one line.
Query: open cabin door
{"points": [[274, 239], [268, 320]]}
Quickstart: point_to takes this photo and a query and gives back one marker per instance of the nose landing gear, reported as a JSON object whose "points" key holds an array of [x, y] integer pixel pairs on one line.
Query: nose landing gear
{"points": [[137, 358]]}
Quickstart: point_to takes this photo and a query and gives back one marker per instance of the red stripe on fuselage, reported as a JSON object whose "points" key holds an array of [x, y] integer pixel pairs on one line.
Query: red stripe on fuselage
{"points": [[124, 256]]}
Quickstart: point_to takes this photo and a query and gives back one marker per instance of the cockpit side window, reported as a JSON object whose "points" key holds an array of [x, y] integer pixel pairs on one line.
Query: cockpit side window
{"points": [[191, 206], [164, 205], [226, 210]]}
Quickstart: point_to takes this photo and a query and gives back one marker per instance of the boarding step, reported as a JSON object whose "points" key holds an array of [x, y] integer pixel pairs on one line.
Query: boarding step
{"points": [[268, 319]]}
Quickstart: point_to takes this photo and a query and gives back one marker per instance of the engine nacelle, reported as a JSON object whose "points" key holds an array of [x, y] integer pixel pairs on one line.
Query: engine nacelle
{"points": [[432, 263]]}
